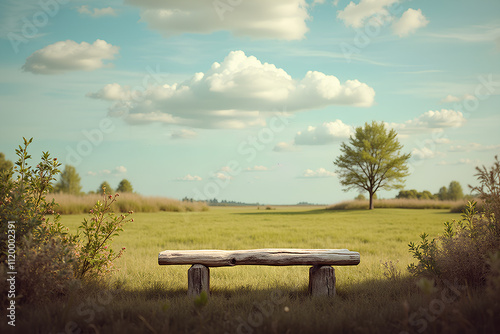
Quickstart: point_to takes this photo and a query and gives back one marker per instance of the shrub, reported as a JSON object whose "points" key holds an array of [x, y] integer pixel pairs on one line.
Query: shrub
{"points": [[48, 260], [95, 257], [466, 248]]}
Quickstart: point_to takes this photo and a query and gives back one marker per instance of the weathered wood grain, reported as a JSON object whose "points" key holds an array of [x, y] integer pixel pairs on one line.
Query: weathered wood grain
{"points": [[198, 280], [269, 257], [322, 281]]}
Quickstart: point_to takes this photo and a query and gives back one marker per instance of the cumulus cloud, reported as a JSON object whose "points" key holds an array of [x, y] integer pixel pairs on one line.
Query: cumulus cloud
{"points": [[356, 15], [256, 169], [96, 12], [410, 21], [189, 178], [68, 55], [453, 98], [431, 121], [277, 19], [284, 147], [424, 153], [236, 93], [183, 134], [319, 173], [326, 133]]}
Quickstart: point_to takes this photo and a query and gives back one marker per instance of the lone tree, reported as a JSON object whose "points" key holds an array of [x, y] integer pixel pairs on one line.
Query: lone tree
{"points": [[455, 192], [124, 187], [372, 161], [69, 182]]}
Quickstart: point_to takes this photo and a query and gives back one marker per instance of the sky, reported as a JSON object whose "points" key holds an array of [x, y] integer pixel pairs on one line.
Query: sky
{"points": [[249, 100]]}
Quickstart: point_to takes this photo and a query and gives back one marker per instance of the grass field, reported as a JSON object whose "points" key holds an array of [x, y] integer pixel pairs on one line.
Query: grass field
{"points": [[149, 298]]}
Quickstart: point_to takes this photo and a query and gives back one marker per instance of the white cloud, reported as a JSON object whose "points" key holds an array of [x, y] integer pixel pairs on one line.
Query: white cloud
{"points": [[319, 173], [120, 170], [473, 147], [183, 134], [68, 55], [222, 176], [189, 177], [473, 34], [326, 133], [256, 169], [284, 147], [453, 98], [424, 153], [356, 15], [459, 162], [431, 121], [410, 21], [116, 171], [239, 92], [96, 12], [277, 19]]}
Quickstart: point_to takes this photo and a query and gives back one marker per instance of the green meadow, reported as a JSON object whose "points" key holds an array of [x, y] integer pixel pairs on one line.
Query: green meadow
{"points": [[379, 235], [144, 297]]}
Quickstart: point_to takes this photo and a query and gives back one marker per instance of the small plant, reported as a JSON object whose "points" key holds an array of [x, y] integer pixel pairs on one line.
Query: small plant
{"points": [[425, 253], [390, 271], [95, 255]]}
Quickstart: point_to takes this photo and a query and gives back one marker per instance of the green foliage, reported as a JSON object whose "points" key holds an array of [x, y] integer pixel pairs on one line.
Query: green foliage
{"points": [[104, 189], [125, 187], [455, 191], [372, 160], [23, 199], [360, 197], [69, 182], [49, 260], [425, 253], [442, 195], [5, 165], [464, 249], [95, 254], [414, 194]]}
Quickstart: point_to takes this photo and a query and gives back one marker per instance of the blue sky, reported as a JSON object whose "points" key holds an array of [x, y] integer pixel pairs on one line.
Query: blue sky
{"points": [[249, 100]]}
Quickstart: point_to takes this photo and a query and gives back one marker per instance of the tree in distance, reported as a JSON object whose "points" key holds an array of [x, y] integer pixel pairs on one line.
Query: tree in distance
{"points": [[372, 160], [104, 185], [69, 183], [124, 187], [5, 164], [455, 191]]}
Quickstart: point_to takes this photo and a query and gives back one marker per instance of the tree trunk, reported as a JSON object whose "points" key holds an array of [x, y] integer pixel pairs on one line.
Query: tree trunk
{"points": [[371, 201]]}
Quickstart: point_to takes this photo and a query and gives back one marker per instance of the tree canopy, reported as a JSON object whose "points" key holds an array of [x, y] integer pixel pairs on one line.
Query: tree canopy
{"points": [[4, 163], [124, 187], [371, 160], [106, 186], [69, 183]]}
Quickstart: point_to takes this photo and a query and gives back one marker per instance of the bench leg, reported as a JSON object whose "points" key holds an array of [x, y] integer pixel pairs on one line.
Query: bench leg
{"points": [[198, 280], [322, 281]]}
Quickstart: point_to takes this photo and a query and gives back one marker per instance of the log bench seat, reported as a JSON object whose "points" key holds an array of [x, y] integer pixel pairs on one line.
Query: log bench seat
{"points": [[321, 273]]}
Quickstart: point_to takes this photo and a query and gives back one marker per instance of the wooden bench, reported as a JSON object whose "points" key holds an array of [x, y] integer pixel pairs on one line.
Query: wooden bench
{"points": [[321, 274]]}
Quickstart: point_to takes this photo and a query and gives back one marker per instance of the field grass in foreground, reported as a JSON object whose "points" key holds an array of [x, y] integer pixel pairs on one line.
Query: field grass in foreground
{"points": [[261, 299]]}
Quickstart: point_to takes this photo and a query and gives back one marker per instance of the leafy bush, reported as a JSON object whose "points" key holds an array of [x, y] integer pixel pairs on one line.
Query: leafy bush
{"points": [[49, 260], [95, 257], [465, 249]]}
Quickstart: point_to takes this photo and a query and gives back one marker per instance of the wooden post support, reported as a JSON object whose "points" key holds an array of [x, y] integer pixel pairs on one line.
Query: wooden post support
{"points": [[198, 280], [322, 281]]}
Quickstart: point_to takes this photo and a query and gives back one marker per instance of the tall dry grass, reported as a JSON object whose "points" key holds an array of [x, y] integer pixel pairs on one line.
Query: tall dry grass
{"points": [[74, 204], [400, 203]]}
